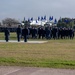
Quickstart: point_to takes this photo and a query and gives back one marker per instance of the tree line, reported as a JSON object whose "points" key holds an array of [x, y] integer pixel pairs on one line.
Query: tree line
{"points": [[62, 22]]}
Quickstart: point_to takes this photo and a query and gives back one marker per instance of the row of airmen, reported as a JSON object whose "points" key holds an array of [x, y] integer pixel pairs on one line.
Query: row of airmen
{"points": [[43, 32], [55, 33]]}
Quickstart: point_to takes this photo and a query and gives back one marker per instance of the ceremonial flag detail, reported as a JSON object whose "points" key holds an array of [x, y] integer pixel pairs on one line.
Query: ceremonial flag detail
{"points": [[41, 18], [32, 19], [38, 18], [55, 21], [50, 18], [44, 17]]}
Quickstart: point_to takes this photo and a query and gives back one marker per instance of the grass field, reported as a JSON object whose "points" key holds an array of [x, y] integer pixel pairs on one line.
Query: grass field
{"points": [[53, 54]]}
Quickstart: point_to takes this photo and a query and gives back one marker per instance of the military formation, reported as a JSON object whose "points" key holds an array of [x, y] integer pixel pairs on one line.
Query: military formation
{"points": [[52, 33], [41, 33]]}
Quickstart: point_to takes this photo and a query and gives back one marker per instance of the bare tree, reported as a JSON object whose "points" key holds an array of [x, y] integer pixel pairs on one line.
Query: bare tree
{"points": [[10, 22]]}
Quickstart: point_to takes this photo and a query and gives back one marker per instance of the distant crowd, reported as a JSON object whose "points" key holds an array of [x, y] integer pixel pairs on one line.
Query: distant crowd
{"points": [[41, 33], [49, 33]]}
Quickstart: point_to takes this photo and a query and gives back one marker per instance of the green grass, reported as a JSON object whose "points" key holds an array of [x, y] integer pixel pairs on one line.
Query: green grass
{"points": [[53, 54], [12, 36]]}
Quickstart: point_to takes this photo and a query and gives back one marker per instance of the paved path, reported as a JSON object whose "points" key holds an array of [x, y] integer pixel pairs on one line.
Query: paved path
{"points": [[7, 70], [15, 41]]}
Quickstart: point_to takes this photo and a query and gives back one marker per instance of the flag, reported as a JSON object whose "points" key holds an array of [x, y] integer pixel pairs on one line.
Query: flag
{"points": [[41, 18], [28, 20], [50, 18], [44, 17], [32, 19], [55, 21], [38, 18]]}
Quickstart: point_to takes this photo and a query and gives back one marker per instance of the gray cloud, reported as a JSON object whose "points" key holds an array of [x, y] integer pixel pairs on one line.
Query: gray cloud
{"points": [[27, 8]]}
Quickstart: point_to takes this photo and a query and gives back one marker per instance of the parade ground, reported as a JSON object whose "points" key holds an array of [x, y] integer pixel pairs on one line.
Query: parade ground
{"points": [[37, 57]]}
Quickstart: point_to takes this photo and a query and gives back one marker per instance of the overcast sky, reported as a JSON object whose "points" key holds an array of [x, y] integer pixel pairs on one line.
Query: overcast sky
{"points": [[19, 9]]}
